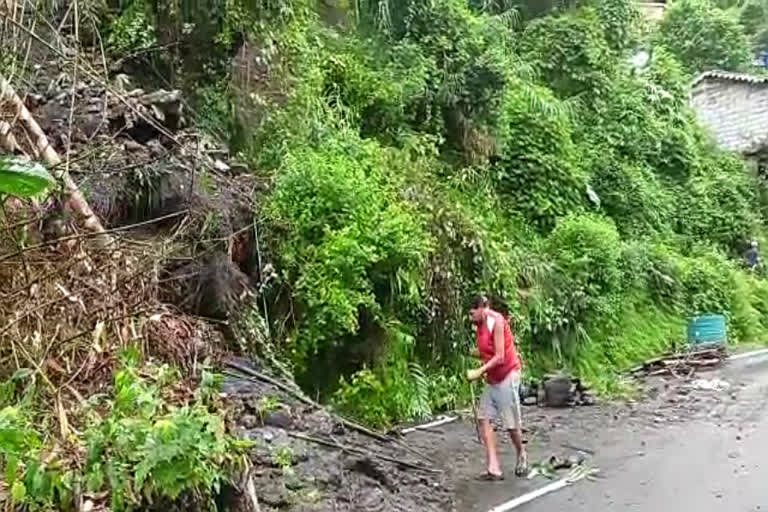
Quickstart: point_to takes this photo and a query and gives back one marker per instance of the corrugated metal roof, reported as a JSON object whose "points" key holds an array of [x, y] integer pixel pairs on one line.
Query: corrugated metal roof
{"points": [[725, 75]]}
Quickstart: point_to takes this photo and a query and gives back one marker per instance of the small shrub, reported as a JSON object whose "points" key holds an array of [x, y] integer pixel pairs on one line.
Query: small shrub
{"points": [[582, 286], [707, 284], [634, 198], [133, 29], [137, 446], [586, 249], [720, 203]]}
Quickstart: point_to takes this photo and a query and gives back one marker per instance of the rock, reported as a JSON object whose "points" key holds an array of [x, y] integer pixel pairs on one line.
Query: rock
{"points": [[530, 400], [131, 145], [272, 493], [238, 168], [268, 435], [249, 421], [295, 484], [557, 392], [338, 429], [156, 149], [221, 166], [372, 469]]}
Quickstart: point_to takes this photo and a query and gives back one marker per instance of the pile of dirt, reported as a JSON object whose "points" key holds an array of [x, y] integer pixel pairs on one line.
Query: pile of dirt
{"points": [[305, 458]]}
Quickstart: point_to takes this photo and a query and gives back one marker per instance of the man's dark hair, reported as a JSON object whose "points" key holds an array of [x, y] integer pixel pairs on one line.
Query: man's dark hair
{"points": [[479, 301]]}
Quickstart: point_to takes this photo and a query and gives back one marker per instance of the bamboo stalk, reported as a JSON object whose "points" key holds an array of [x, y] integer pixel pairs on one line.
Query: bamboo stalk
{"points": [[73, 198]]}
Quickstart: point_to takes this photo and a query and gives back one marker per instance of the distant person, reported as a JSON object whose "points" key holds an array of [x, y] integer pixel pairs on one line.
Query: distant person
{"points": [[501, 397], [752, 256]]}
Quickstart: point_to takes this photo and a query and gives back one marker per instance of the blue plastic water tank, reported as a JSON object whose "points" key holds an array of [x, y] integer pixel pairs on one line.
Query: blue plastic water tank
{"points": [[707, 330]]}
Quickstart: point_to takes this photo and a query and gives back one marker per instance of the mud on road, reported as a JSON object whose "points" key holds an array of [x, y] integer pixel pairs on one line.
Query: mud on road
{"points": [[682, 440], [678, 443]]}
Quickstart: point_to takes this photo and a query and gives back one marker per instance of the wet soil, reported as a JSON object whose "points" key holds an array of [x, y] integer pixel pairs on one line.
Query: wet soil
{"points": [[671, 424], [609, 436]]}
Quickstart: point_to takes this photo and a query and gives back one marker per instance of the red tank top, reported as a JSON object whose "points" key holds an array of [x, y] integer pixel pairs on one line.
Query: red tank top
{"points": [[485, 346]]}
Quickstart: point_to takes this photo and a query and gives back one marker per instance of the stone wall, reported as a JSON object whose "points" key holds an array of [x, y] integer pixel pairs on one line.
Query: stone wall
{"points": [[735, 111]]}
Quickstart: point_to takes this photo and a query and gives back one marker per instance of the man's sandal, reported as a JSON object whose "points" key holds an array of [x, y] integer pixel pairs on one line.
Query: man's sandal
{"points": [[490, 477]]}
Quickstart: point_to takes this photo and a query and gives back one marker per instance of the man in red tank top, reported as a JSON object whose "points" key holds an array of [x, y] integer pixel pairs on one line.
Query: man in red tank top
{"points": [[501, 397]]}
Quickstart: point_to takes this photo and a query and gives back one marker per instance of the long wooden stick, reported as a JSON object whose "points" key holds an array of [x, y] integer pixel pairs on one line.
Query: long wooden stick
{"points": [[300, 396], [474, 413], [74, 199], [361, 451], [303, 398]]}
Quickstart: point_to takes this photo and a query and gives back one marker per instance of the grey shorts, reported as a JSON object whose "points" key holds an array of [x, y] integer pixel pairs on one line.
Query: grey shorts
{"points": [[502, 400]]}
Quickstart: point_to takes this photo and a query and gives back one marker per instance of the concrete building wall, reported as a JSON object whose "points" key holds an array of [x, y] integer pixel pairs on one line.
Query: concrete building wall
{"points": [[736, 112], [652, 11]]}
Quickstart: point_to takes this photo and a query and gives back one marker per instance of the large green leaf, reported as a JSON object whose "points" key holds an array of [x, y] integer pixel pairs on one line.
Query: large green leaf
{"points": [[23, 179]]}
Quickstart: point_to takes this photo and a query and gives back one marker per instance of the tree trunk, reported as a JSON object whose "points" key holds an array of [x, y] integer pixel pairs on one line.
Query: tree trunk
{"points": [[73, 198]]}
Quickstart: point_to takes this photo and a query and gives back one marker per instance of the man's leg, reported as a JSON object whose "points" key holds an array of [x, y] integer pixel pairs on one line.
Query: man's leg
{"points": [[521, 468], [487, 411], [511, 414], [491, 455]]}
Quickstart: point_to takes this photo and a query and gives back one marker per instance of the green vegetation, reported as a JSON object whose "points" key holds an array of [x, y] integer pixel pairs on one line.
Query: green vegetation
{"points": [[704, 37], [421, 152], [139, 443]]}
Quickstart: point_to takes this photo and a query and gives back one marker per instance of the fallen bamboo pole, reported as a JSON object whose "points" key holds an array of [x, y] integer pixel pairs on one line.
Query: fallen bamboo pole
{"points": [[73, 198]]}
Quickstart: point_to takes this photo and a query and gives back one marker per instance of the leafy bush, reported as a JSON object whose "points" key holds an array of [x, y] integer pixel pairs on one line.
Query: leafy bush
{"points": [[704, 37], [398, 387], [618, 19], [634, 198], [707, 284], [138, 446], [376, 99], [586, 249], [33, 482], [720, 203], [581, 286], [469, 69], [538, 163], [570, 52], [132, 29], [352, 247]]}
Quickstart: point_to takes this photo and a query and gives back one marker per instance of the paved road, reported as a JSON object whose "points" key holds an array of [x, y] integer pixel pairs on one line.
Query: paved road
{"points": [[716, 463]]}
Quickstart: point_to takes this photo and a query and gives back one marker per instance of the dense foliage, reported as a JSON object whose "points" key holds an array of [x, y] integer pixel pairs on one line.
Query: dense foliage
{"points": [[420, 152], [140, 447], [704, 37]]}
